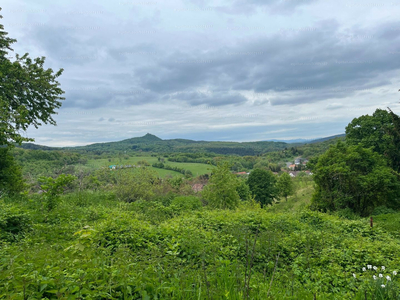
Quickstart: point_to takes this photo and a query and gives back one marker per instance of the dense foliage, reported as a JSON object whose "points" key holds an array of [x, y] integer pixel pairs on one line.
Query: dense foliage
{"points": [[11, 180], [221, 191], [377, 132], [100, 248], [262, 185], [356, 178]]}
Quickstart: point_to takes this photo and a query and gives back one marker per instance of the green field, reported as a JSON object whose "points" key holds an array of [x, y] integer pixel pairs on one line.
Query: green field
{"points": [[196, 168]]}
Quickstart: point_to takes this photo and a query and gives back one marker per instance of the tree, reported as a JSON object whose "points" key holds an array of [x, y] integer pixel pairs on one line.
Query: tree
{"points": [[220, 192], [188, 174], [262, 185], [393, 150], [53, 188], [243, 190], [285, 185], [29, 94], [353, 177], [10, 173], [376, 131]]}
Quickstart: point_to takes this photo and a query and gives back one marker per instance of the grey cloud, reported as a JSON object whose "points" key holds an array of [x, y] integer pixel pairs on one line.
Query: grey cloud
{"points": [[333, 106], [323, 60], [64, 46], [215, 99], [249, 7]]}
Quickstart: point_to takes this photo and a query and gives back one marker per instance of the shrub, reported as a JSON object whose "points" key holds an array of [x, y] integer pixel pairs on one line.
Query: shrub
{"points": [[53, 188], [137, 185], [184, 203], [14, 221], [383, 210], [124, 230]]}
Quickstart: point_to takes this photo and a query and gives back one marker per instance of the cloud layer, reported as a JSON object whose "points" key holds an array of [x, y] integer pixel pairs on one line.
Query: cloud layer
{"points": [[212, 70]]}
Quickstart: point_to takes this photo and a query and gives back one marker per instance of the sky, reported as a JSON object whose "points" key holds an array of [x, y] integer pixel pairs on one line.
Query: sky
{"points": [[210, 70]]}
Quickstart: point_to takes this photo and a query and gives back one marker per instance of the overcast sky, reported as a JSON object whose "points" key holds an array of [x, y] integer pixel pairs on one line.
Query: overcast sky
{"points": [[238, 70]]}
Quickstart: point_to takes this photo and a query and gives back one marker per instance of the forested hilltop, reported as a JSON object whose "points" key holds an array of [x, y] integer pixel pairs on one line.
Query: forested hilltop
{"points": [[152, 143]]}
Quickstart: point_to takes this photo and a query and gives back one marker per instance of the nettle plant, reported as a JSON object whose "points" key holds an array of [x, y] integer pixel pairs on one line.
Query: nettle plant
{"points": [[379, 283]]}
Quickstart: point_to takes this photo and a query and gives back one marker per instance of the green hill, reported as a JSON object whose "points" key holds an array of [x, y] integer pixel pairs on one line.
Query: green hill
{"points": [[152, 143]]}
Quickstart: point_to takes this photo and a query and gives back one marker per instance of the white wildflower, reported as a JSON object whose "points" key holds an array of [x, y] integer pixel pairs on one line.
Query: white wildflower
{"points": [[380, 275], [375, 268], [374, 277], [388, 278], [369, 267], [395, 273], [354, 275], [383, 285], [383, 267], [364, 269]]}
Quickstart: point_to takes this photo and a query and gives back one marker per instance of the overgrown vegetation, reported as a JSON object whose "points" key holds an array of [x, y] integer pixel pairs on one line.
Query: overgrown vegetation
{"points": [[101, 248]]}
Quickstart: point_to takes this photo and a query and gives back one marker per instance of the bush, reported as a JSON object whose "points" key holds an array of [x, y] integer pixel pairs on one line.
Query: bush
{"points": [[383, 210], [136, 185], [124, 229], [53, 188], [14, 222], [185, 203]]}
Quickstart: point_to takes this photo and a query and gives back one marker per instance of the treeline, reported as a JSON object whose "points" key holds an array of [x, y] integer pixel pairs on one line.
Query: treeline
{"points": [[63, 157], [237, 163], [39, 162], [151, 143], [161, 165], [201, 158]]}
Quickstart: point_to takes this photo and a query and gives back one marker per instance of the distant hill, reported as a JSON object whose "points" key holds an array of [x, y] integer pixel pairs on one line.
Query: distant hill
{"points": [[342, 136], [143, 139], [309, 141], [36, 147], [152, 143], [295, 141]]}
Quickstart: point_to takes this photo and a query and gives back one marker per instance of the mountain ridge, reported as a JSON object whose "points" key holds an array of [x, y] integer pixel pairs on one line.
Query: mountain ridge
{"points": [[152, 143]]}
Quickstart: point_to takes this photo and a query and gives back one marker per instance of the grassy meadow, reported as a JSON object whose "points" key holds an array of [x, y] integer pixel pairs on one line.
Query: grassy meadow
{"points": [[196, 168]]}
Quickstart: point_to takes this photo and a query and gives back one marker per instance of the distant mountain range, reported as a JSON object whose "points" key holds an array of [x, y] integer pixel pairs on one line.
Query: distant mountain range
{"points": [[152, 143], [309, 141]]}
